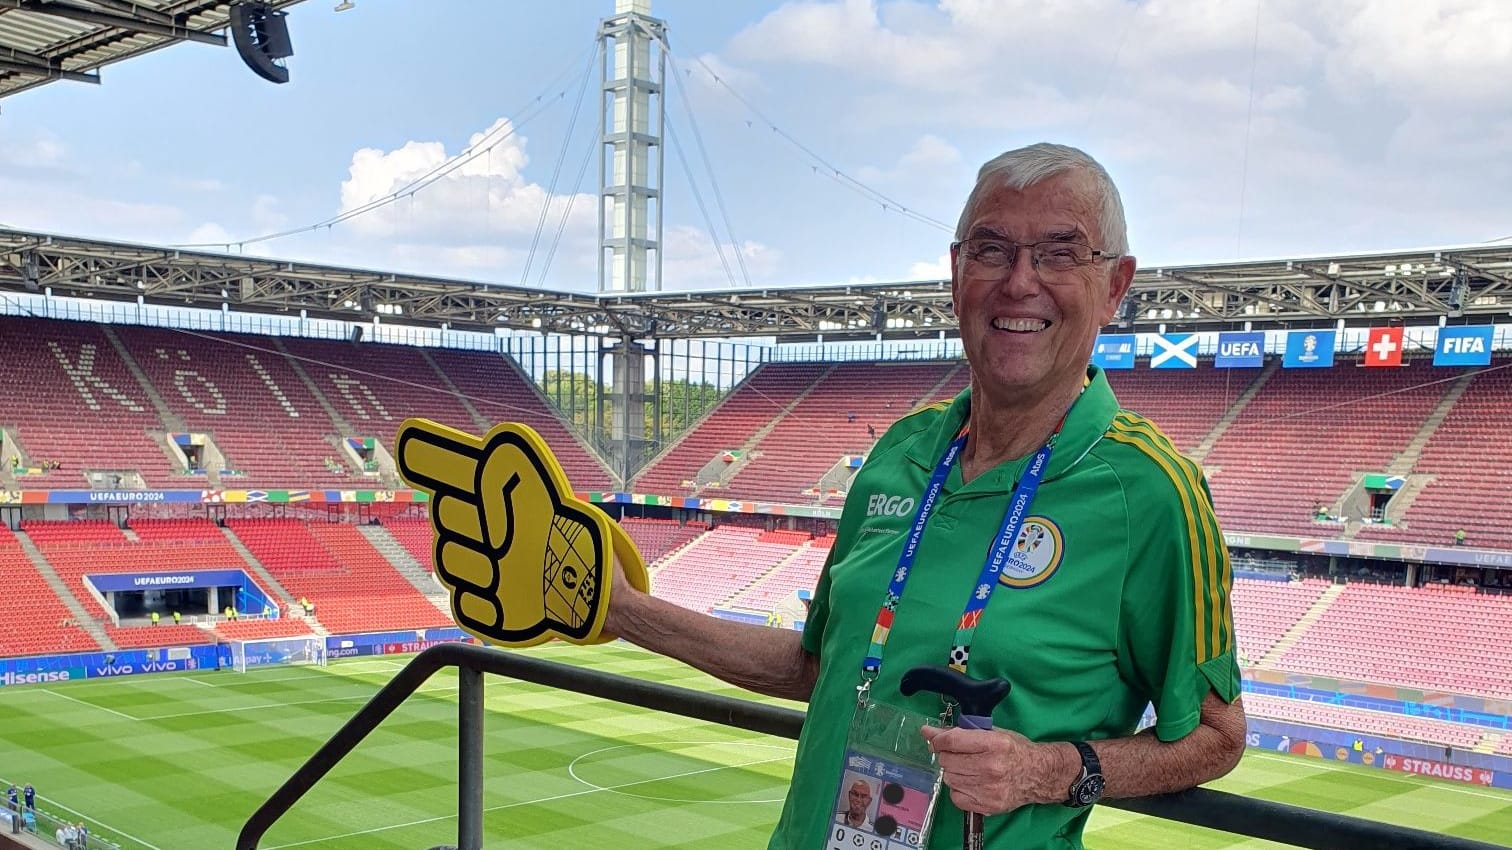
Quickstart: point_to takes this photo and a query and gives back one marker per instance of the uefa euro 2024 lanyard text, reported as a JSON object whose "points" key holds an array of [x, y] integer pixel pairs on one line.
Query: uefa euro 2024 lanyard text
{"points": [[890, 782]]}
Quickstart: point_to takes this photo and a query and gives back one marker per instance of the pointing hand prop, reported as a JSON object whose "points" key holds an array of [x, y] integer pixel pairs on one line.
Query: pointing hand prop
{"points": [[524, 559]]}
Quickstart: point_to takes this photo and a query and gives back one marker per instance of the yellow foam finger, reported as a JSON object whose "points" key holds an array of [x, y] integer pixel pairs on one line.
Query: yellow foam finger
{"points": [[508, 527]]}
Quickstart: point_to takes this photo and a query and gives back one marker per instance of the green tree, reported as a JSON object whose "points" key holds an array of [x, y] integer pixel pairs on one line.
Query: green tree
{"points": [[575, 396]]}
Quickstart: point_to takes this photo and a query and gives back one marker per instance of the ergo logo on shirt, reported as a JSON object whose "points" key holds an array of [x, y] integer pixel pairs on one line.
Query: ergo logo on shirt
{"points": [[881, 504]]}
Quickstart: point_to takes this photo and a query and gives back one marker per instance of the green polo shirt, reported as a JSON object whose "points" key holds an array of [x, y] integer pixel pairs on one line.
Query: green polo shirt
{"points": [[1117, 596]]}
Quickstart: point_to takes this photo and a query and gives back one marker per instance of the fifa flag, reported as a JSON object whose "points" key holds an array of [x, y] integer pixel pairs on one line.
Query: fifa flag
{"points": [[1384, 347], [1240, 350], [1174, 351], [1463, 346], [1114, 351], [1309, 350]]}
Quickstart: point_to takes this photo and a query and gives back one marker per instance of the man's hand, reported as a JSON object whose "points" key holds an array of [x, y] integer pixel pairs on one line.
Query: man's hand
{"points": [[525, 560], [996, 770]]}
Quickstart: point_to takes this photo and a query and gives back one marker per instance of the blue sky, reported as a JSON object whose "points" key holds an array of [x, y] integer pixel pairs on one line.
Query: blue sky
{"points": [[1346, 126]]}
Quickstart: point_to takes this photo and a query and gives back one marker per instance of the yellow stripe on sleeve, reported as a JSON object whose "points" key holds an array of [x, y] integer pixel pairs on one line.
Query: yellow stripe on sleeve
{"points": [[1212, 625]]}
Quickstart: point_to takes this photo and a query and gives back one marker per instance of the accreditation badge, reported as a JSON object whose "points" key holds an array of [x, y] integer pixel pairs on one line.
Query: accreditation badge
{"points": [[889, 784]]}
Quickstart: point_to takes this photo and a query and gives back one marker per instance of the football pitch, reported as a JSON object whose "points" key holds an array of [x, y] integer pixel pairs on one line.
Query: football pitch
{"points": [[181, 760]]}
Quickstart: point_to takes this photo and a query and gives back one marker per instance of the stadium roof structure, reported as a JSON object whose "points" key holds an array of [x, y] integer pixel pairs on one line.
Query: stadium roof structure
{"points": [[1412, 287], [46, 40]]}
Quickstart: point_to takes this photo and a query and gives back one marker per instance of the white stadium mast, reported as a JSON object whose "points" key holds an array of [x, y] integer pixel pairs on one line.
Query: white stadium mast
{"points": [[632, 116]]}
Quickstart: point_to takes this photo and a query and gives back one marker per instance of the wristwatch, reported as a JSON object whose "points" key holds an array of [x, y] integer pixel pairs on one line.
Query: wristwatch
{"points": [[1088, 788]]}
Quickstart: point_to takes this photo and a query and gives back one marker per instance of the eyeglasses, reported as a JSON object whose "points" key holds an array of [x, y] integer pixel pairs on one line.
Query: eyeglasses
{"points": [[995, 257]]}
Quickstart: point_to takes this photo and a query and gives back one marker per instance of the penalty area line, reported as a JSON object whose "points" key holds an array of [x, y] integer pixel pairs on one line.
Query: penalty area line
{"points": [[90, 704]]}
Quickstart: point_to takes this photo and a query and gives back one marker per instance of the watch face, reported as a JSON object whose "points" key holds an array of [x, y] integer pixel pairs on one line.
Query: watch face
{"points": [[1090, 790]]}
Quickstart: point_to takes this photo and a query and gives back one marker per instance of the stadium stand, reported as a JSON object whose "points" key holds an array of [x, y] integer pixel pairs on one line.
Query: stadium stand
{"points": [[260, 629], [1466, 456], [1364, 721], [372, 393], [351, 585], [1435, 637], [731, 425], [416, 536], [1305, 436], [715, 566], [73, 402], [33, 619], [1266, 610], [657, 538], [78, 548], [145, 637], [789, 462], [1186, 403], [500, 392], [246, 396], [800, 572]]}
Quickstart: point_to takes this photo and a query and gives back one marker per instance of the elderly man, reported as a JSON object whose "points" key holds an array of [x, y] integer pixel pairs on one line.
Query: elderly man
{"points": [[858, 800], [1060, 543]]}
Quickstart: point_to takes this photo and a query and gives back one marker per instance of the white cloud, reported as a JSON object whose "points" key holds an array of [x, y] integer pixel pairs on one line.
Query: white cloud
{"points": [[936, 269], [482, 200], [266, 214], [1434, 54], [693, 261], [209, 233], [1321, 117], [929, 156], [196, 184], [41, 150]]}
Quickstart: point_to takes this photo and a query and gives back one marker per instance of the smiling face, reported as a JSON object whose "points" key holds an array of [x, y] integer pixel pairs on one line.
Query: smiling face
{"points": [[860, 798], [1027, 332]]}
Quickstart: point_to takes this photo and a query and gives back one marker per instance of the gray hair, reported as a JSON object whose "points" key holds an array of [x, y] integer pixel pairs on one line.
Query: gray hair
{"points": [[1024, 167]]}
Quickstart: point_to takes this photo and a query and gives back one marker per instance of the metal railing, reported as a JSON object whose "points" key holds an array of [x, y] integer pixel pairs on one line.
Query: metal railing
{"points": [[1220, 810]]}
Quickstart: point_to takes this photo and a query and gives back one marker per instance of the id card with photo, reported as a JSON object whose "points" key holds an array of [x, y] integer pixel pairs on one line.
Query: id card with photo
{"points": [[883, 804]]}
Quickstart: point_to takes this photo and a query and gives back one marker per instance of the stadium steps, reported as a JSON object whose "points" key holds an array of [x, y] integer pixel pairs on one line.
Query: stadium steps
{"points": [[1403, 463], [657, 565], [1489, 743], [477, 418], [86, 620], [748, 451], [1303, 623], [937, 392], [1206, 446], [745, 455], [343, 427], [10, 445], [406, 565], [725, 601], [268, 581], [170, 421], [1398, 506]]}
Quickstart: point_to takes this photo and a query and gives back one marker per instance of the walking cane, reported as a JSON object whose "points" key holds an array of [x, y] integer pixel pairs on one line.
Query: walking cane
{"points": [[975, 700]]}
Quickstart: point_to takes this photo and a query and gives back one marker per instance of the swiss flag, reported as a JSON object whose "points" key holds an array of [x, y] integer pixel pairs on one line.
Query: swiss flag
{"points": [[1384, 348]]}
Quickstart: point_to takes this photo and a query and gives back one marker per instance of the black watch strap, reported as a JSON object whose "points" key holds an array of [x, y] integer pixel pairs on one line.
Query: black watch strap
{"points": [[1088, 788]]}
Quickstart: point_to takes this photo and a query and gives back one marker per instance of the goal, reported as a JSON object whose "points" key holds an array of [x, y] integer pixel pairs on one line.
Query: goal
{"points": [[257, 653]]}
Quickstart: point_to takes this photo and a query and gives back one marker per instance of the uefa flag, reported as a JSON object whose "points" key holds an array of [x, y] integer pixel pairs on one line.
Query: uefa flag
{"points": [[1309, 350], [1384, 347], [1240, 350]]}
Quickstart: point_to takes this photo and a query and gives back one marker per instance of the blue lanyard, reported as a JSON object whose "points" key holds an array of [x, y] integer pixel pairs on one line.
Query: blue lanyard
{"points": [[997, 556]]}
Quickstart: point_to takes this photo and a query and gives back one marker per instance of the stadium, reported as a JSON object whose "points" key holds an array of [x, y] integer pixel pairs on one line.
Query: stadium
{"points": [[213, 563]]}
